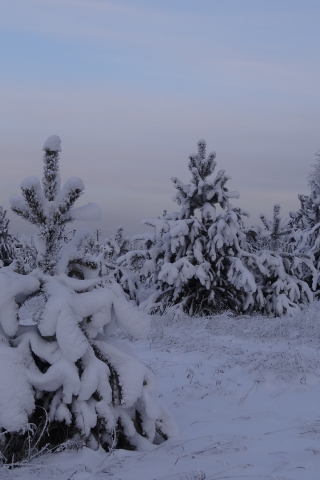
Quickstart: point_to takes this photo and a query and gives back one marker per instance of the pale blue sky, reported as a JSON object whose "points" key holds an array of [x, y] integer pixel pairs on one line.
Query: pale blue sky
{"points": [[131, 86]]}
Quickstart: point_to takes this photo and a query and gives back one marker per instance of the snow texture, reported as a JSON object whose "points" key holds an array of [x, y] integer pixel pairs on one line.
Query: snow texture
{"points": [[15, 391]]}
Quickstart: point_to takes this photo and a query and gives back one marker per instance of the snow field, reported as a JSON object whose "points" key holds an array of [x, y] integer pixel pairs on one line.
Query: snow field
{"points": [[244, 392]]}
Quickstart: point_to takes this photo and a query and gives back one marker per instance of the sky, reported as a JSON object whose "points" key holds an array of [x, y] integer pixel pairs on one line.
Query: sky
{"points": [[131, 86]]}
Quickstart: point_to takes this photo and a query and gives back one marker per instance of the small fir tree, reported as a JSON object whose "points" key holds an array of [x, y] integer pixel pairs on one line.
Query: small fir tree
{"points": [[62, 378], [48, 207], [113, 268], [276, 235]]}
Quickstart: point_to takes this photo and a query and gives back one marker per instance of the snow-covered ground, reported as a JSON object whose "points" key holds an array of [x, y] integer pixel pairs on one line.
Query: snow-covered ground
{"points": [[244, 391]]}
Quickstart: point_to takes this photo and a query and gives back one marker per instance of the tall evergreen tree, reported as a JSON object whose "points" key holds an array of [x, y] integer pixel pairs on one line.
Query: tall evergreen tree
{"points": [[187, 258]]}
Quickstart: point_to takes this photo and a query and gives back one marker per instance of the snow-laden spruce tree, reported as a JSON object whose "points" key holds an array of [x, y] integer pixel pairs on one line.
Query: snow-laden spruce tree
{"points": [[275, 235], [50, 207], [105, 256], [199, 260], [63, 379], [184, 257], [280, 288], [7, 242], [113, 250]]}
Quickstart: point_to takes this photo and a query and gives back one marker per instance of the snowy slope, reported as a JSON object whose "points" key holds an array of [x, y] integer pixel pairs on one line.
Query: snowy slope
{"points": [[244, 391]]}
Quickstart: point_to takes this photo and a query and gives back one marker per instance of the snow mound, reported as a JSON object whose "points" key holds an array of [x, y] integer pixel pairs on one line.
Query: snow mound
{"points": [[52, 143]]}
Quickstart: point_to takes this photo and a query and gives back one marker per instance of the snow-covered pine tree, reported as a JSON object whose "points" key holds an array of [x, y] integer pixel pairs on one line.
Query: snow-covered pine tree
{"points": [[49, 207], [113, 248], [7, 250], [63, 379], [112, 269], [276, 267], [187, 256], [275, 235], [123, 243], [199, 260]]}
